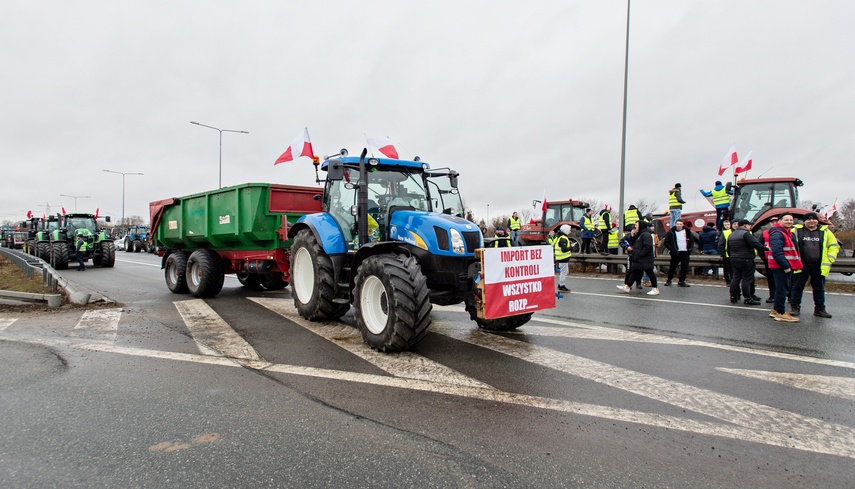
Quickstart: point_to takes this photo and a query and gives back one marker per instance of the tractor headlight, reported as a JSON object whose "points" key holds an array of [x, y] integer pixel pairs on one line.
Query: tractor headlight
{"points": [[457, 244]]}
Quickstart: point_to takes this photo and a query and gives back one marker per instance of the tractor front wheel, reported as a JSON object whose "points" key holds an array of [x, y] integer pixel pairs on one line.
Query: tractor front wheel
{"points": [[313, 280], [59, 255]]}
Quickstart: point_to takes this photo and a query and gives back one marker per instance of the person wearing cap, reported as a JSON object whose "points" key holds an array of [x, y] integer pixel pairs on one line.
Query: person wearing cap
{"points": [[514, 227], [818, 248], [604, 225], [770, 278], [587, 225], [675, 203], [784, 259], [721, 200], [741, 246], [562, 255], [502, 239]]}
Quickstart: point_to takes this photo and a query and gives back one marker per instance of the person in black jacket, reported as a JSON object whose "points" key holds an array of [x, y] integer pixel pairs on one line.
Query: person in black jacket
{"points": [[641, 259], [741, 246], [678, 241]]}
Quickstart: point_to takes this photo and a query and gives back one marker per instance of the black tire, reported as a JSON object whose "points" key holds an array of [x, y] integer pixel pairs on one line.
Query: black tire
{"points": [[248, 279], [175, 272], [273, 281], [509, 323], [137, 246], [313, 280], [205, 274], [43, 251], [575, 245], [392, 302], [127, 245], [59, 255], [108, 254]]}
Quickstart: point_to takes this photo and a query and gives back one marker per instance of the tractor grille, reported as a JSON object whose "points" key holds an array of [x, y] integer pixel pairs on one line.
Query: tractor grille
{"points": [[441, 237], [473, 240]]}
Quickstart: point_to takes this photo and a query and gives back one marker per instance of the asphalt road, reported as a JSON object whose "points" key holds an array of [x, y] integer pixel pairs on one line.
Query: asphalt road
{"points": [[163, 390]]}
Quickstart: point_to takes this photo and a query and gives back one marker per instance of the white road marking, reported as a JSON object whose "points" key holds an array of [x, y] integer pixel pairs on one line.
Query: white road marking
{"points": [[586, 331], [842, 387], [138, 263], [843, 445], [404, 364], [209, 331], [99, 324], [619, 295], [6, 322], [804, 431]]}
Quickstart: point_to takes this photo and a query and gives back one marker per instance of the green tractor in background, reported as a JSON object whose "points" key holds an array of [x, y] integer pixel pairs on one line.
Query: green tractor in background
{"points": [[38, 240], [63, 241]]}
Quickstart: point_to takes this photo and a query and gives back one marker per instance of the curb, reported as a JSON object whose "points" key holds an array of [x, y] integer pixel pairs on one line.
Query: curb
{"points": [[49, 274]]}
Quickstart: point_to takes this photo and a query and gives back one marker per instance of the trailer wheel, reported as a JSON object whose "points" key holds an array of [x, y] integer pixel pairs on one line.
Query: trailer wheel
{"points": [[392, 302], [59, 255], [313, 280], [175, 272], [205, 274], [43, 251], [247, 279], [108, 254], [272, 281], [509, 323]]}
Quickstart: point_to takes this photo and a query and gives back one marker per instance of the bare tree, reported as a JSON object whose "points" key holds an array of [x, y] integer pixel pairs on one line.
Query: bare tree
{"points": [[525, 216], [644, 206]]}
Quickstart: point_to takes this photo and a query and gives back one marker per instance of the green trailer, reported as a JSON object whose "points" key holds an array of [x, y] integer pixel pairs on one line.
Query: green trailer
{"points": [[241, 229]]}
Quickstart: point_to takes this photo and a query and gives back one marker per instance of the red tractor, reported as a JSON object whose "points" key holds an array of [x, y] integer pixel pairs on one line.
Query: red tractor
{"points": [[557, 213]]}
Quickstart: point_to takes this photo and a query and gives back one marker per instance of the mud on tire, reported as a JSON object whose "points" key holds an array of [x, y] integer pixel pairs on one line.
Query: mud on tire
{"points": [[205, 274], [175, 272], [313, 280], [392, 302]]}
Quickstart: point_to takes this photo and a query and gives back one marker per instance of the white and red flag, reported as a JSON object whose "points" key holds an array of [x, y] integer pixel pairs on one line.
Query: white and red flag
{"points": [[29, 214], [96, 212], [63, 211], [384, 145], [301, 146], [830, 212], [729, 160], [745, 164]]}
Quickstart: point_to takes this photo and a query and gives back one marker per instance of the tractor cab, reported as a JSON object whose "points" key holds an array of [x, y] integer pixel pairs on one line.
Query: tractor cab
{"points": [[753, 199]]}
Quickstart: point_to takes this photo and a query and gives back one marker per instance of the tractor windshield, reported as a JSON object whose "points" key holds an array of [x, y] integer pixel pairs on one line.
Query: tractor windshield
{"points": [[559, 213], [752, 200], [75, 223], [443, 197]]}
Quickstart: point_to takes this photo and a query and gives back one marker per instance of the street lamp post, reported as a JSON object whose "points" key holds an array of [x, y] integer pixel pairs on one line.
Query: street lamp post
{"points": [[221, 131], [122, 222], [75, 197]]}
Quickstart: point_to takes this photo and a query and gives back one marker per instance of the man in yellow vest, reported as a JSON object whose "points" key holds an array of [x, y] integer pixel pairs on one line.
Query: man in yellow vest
{"points": [[722, 251], [587, 225], [502, 239], [81, 248], [604, 225], [675, 203], [721, 200], [562, 255], [630, 217], [818, 248], [514, 228]]}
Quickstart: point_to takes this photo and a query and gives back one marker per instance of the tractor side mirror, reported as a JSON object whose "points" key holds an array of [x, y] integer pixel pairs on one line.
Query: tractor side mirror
{"points": [[106, 218], [335, 170], [453, 180]]}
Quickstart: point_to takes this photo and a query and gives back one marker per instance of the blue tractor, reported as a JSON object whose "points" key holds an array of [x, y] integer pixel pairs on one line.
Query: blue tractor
{"points": [[391, 241], [136, 239]]}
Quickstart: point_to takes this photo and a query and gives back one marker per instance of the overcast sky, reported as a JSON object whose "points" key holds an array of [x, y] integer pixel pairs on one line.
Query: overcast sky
{"points": [[519, 97]]}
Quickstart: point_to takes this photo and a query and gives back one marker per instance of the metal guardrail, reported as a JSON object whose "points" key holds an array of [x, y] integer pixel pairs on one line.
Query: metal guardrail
{"points": [[841, 265], [37, 268]]}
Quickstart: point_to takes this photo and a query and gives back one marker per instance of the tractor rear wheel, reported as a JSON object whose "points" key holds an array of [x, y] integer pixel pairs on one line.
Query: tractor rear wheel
{"points": [[509, 323], [108, 254], [392, 302], [43, 251], [137, 246], [175, 272], [313, 280], [59, 255], [205, 274]]}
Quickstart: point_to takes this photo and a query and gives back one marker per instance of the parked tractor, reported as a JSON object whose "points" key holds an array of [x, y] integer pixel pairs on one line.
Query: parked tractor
{"points": [[136, 239], [556, 214], [386, 236], [40, 235], [63, 241]]}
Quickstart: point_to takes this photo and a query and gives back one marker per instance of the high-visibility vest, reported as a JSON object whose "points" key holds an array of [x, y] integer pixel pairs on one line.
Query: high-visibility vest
{"points": [[631, 216], [720, 197], [588, 223], [790, 251], [514, 224], [613, 239], [605, 220], [561, 255], [84, 246], [501, 242], [673, 203], [726, 234], [829, 245]]}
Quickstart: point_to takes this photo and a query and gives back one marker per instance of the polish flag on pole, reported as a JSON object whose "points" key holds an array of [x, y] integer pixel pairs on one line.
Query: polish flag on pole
{"points": [[384, 145], [96, 212], [29, 214], [729, 160], [302, 146], [830, 212], [63, 211], [744, 165]]}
